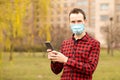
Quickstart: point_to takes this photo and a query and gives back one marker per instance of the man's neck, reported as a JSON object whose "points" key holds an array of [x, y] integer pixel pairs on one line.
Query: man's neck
{"points": [[79, 36]]}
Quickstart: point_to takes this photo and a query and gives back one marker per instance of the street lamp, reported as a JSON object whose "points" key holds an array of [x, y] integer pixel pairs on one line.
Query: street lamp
{"points": [[111, 35]]}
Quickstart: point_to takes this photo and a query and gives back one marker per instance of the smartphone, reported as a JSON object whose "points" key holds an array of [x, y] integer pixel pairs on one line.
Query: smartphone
{"points": [[49, 46]]}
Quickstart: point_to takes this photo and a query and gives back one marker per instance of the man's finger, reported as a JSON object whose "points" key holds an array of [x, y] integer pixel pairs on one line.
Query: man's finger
{"points": [[49, 50]]}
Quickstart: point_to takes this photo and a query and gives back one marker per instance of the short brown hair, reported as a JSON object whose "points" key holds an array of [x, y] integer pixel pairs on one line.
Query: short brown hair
{"points": [[76, 11]]}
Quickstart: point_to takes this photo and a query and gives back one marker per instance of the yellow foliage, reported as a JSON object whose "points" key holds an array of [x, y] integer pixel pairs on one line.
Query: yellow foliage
{"points": [[1, 35], [48, 38], [17, 16], [44, 15], [12, 13], [8, 44], [0, 60], [44, 5]]}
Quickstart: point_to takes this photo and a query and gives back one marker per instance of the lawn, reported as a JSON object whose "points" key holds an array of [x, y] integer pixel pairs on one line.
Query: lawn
{"points": [[28, 67]]}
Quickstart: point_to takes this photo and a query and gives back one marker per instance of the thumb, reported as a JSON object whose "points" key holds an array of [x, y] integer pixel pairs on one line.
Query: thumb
{"points": [[49, 50]]}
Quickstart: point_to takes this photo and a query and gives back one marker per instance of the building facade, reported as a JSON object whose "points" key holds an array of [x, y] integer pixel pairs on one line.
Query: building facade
{"points": [[98, 14], [105, 12]]}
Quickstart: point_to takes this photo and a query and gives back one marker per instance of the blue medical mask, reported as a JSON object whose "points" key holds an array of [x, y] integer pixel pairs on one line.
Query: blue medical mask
{"points": [[77, 28]]}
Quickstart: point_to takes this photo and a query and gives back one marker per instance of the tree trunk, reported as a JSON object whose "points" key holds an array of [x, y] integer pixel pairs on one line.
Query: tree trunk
{"points": [[11, 53]]}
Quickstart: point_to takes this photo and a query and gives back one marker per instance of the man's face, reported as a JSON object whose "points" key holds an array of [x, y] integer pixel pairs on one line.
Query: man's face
{"points": [[77, 19]]}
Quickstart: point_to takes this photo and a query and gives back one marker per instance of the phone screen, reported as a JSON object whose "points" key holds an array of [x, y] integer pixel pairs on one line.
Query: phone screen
{"points": [[49, 46]]}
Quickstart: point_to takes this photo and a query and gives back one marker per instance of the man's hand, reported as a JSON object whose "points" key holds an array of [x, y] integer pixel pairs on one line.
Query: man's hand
{"points": [[56, 56]]}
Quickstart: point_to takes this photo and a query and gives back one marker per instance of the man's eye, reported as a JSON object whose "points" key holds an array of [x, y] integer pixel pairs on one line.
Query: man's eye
{"points": [[72, 21], [79, 21]]}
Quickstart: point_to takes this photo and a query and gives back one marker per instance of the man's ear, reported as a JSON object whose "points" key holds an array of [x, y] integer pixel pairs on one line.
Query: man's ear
{"points": [[85, 21]]}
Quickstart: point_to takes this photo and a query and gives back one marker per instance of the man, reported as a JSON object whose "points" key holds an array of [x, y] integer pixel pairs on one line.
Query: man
{"points": [[79, 55]]}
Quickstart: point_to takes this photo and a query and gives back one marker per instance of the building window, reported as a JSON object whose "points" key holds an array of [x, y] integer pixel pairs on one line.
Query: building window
{"points": [[58, 19], [52, 19], [81, 3], [51, 6], [58, 12], [52, 12], [65, 12], [118, 7], [65, 4], [65, 18], [57, 25], [72, 4], [104, 6], [65, 25], [104, 17]]}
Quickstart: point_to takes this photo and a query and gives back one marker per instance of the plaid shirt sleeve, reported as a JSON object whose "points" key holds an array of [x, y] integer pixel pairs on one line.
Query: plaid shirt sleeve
{"points": [[90, 66], [56, 67]]}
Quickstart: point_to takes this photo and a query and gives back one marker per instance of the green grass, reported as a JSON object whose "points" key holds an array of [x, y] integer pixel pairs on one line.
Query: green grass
{"points": [[108, 67], [27, 67]]}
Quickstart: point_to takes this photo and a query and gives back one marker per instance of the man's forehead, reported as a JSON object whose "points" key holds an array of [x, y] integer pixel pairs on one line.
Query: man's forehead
{"points": [[74, 15]]}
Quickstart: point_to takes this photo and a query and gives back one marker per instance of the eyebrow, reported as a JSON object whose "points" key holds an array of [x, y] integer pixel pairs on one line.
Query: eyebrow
{"points": [[77, 21]]}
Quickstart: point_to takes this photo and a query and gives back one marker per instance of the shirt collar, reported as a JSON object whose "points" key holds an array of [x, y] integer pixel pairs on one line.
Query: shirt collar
{"points": [[84, 38]]}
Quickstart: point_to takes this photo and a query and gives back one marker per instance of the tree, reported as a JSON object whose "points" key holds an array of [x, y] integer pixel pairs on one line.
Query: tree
{"points": [[112, 35], [44, 16], [40, 25], [13, 12]]}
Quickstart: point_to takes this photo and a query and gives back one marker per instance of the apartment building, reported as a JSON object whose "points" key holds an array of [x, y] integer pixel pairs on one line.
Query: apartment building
{"points": [[60, 10], [106, 11], [98, 14]]}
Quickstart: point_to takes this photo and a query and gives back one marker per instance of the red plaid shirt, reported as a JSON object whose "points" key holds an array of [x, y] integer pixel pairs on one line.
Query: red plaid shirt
{"points": [[83, 55]]}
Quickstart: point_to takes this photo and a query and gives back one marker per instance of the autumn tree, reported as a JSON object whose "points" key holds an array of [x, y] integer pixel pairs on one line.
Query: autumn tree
{"points": [[41, 27], [13, 12]]}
